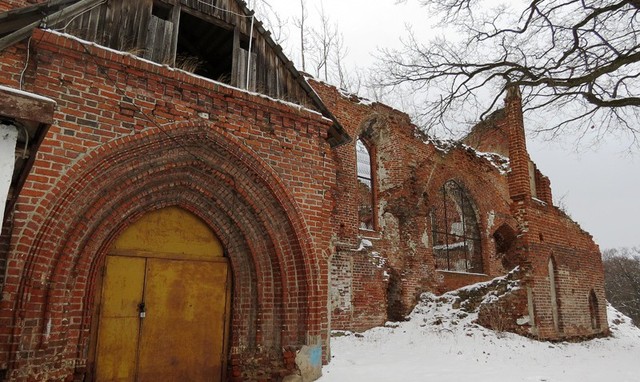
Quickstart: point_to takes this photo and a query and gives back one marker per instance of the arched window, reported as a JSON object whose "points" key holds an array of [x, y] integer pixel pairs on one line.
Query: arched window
{"points": [[366, 216], [456, 235], [593, 309], [555, 311]]}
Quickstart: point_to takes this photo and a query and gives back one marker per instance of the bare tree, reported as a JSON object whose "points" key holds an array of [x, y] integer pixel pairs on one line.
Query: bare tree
{"points": [[322, 48], [324, 41], [578, 59], [301, 24], [351, 79], [622, 280], [272, 20]]}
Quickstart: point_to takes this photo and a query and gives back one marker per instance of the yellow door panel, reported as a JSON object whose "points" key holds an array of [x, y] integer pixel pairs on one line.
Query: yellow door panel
{"points": [[117, 352], [170, 233], [183, 333], [170, 260], [119, 322]]}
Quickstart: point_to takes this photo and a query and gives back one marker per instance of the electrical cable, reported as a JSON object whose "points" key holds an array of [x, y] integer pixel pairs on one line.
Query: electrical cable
{"points": [[76, 16], [225, 10], [26, 63]]}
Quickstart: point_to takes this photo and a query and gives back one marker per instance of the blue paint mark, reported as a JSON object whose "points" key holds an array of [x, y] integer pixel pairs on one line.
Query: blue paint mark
{"points": [[315, 356]]}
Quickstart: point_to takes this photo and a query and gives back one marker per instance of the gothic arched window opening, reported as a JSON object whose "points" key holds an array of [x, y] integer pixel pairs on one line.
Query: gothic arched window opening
{"points": [[366, 217], [456, 235]]}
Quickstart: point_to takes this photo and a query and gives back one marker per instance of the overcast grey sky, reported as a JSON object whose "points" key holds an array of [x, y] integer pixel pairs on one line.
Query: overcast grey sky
{"points": [[598, 186]]}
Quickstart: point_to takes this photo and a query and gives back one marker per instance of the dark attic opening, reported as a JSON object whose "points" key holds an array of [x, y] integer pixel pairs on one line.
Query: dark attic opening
{"points": [[204, 48], [161, 10]]}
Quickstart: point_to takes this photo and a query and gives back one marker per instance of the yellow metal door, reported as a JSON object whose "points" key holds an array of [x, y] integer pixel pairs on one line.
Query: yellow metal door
{"points": [[119, 319], [164, 303], [183, 332]]}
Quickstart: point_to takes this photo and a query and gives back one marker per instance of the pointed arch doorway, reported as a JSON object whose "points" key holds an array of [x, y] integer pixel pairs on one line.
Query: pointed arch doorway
{"points": [[164, 302]]}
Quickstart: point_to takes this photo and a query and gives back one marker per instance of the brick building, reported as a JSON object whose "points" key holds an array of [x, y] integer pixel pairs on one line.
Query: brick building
{"points": [[453, 214], [178, 181]]}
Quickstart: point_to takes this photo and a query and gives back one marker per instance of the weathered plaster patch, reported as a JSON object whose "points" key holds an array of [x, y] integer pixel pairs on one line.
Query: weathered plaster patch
{"points": [[425, 238], [491, 221]]}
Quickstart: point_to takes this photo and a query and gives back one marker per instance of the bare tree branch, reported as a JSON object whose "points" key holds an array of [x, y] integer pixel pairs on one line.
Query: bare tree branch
{"points": [[581, 57]]}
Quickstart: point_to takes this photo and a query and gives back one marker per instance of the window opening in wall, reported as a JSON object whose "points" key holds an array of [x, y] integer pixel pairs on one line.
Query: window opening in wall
{"points": [[456, 234], [204, 49], [161, 10], [365, 186], [593, 309]]}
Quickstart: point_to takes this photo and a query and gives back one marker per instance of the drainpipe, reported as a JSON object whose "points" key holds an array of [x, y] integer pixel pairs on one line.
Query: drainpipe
{"points": [[8, 140]]}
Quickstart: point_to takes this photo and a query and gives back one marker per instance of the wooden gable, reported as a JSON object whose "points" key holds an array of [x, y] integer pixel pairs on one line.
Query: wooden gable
{"points": [[217, 39]]}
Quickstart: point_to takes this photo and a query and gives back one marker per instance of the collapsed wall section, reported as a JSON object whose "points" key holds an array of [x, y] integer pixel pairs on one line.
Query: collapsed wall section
{"points": [[359, 282], [428, 241], [447, 215], [561, 264]]}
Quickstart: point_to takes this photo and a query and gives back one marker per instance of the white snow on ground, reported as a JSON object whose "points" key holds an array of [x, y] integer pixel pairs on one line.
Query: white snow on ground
{"points": [[441, 344]]}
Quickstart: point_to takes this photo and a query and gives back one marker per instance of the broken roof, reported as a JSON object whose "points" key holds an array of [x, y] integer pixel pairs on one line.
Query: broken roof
{"points": [[18, 24]]}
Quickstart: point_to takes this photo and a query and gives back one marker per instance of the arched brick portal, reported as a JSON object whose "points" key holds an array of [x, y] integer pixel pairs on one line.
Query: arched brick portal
{"points": [[201, 169]]}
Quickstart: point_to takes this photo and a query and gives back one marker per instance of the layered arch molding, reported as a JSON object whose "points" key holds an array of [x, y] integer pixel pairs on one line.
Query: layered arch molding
{"points": [[198, 168]]}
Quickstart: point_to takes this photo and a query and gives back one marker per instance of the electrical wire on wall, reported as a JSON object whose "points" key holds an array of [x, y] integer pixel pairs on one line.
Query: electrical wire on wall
{"points": [[26, 64]]}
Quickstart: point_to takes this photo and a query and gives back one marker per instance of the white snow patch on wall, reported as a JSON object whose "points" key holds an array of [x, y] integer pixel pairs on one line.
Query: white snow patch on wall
{"points": [[500, 162], [8, 139]]}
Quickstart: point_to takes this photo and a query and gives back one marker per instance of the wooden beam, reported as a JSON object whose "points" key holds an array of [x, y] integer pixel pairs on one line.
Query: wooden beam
{"points": [[38, 9], [20, 105], [67, 12], [18, 35], [9, 26], [175, 19], [235, 68]]}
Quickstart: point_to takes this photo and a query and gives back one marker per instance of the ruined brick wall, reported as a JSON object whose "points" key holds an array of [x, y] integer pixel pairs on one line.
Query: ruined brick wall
{"points": [[358, 290], [410, 172], [130, 137], [562, 264], [516, 228], [487, 137], [454, 280], [578, 271], [5, 240]]}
